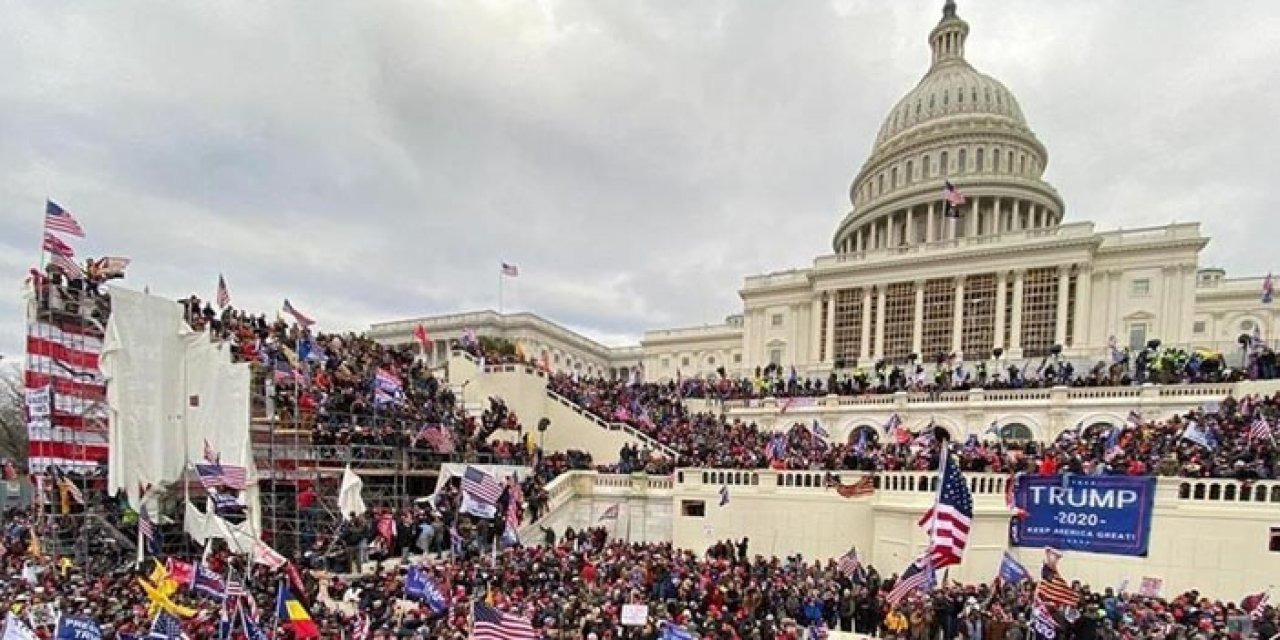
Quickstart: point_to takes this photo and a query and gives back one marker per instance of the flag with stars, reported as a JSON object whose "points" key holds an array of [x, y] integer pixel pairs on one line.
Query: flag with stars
{"points": [[949, 520]]}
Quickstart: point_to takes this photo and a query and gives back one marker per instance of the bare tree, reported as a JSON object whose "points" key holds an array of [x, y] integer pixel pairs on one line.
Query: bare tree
{"points": [[13, 429]]}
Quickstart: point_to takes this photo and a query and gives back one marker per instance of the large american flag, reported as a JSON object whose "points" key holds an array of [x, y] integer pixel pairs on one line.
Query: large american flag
{"points": [[58, 219], [510, 270], [481, 486], [1057, 592], [224, 294], [949, 520], [917, 577], [490, 624], [53, 244], [67, 266], [214, 475], [515, 503]]}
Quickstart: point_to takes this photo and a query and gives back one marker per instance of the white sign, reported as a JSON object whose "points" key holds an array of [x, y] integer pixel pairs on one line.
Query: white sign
{"points": [[38, 405], [635, 615]]}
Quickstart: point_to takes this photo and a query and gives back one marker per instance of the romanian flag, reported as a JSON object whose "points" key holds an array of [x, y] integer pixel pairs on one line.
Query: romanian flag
{"points": [[291, 612]]}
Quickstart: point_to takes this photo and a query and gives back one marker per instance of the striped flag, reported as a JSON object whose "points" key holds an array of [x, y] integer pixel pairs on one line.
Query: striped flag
{"points": [[1057, 592], [488, 623], [298, 316], [1042, 622], [1268, 290], [53, 244], [58, 219], [147, 529], [953, 198], [610, 513], [224, 294], [510, 270], [515, 504], [849, 565], [67, 266], [1260, 429], [481, 485], [438, 437], [949, 520], [215, 475], [865, 486], [917, 577]]}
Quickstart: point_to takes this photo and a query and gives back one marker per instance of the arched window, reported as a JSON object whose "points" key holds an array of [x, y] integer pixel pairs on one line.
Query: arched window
{"points": [[1022, 164], [871, 436], [880, 184], [910, 168], [1015, 432], [960, 96], [933, 101], [924, 167], [962, 161], [917, 108], [987, 93], [893, 177], [1009, 166], [995, 160], [943, 167], [979, 160], [946, 98]]}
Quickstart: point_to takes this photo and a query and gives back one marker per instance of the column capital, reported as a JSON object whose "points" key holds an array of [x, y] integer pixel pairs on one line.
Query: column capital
{"points": [[919, 282], [959, 280], [1064, 270]]}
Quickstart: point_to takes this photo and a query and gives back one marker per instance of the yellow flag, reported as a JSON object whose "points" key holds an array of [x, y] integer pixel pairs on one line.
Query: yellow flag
{"points": [[160, 579], [65, 564], [34, 547], [162, 601]]}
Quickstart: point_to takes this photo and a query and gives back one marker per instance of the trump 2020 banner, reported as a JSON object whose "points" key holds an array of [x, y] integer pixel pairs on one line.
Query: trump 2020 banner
{"points": [[1098, 514]]}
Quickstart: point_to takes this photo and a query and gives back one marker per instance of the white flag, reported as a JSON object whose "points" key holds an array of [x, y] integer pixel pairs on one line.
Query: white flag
{"points": [[349, 498], [15, 629]]}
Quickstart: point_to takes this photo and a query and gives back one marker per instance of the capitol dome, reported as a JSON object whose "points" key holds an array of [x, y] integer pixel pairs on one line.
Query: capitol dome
{"points": [[960, 126]]}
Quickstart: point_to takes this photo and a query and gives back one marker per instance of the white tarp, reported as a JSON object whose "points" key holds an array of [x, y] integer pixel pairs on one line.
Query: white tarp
{"points": [[350, 499], [169, 391]]}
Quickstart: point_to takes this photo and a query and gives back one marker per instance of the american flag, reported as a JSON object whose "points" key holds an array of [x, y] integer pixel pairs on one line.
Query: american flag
{"points": [[146, 528], [918, 576], [1260, 607], [53, 244], [1260, 429], [510, 270], [439, 438], [67, 266], [298, 316], [490, 624], [58, 219], [481, 486], [214, 475], [949, 520], [224, 295], [360, 627], [848, 565], [165, 627], [1268, 290]]}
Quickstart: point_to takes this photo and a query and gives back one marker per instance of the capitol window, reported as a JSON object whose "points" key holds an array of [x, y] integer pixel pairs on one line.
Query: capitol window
{"points": [[960, 96], [684, 362], [1022, 164], [1246, 326], [737, 358], [893, 177], [1141, 287], [1138, 335], [995, 161], [775, 356], [880, 184], [924, 167], [910, 170], [1198, 327], [943, 167], [961, 162], [1009, 166], [666, 363], [979, 159]]}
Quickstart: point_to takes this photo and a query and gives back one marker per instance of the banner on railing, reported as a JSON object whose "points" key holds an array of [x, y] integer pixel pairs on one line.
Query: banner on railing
{"points": [[1098, 514]]}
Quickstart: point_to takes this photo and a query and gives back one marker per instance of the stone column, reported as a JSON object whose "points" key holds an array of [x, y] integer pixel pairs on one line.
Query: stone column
{"points": [[910, 236], [1084, 295], [997, 220], [1015, 331], [957, 317], [880, 303], [891, 230], [828, 354], [917, 322], [1060, 318], [865, 351], [1002, 286], [1016, 223], [815, 334], [973, 218], [928, 226]]}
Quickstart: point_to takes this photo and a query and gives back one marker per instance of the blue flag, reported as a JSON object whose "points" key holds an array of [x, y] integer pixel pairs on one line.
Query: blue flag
{"points": [[419, 586], [1012, 571], [78, 628], [165, 627], [208, 582], [673, 631]]}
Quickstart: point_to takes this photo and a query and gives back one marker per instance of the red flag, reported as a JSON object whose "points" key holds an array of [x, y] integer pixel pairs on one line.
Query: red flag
{"points": [[182, 572], [295, 581], [420, 334]]}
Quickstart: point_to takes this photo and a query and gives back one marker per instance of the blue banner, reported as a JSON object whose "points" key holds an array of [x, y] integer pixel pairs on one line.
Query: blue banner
{"points": [[1098, 514], [78, 628]]}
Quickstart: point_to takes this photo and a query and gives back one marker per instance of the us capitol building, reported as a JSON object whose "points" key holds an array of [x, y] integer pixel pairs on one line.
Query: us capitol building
{"points": [[1009, 275]]}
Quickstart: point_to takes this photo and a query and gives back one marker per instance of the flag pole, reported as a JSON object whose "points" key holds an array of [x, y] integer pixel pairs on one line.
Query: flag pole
{"points": [[500, 278]]}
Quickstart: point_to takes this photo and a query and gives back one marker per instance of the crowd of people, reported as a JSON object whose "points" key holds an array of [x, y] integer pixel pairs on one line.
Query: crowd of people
{"points": [[574, 586], [1235, 438]]}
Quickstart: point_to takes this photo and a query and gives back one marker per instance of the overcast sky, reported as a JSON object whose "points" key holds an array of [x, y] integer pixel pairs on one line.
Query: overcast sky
{"points": [[375, 161]]}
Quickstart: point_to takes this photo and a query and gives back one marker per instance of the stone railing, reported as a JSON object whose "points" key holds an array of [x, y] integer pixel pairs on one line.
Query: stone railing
{"points": [[614, 426]]}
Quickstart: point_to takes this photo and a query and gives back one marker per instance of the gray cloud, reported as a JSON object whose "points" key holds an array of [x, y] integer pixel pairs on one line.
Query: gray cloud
{"points": [[635, 159]]}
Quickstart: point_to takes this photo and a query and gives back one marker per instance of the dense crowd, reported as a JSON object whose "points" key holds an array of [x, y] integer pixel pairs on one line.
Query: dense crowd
{"points": [[1222, 441], [574, 587]]}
